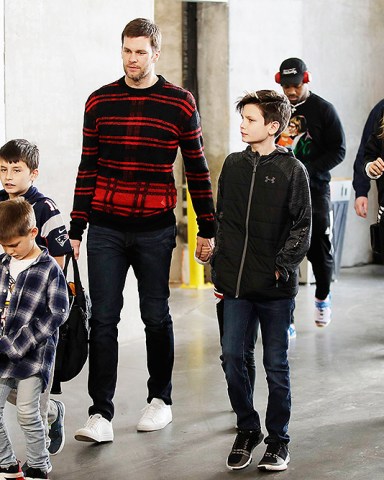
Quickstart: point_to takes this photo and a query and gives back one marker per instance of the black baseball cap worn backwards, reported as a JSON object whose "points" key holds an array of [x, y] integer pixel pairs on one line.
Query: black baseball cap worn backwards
{"points": [[292, 71]]}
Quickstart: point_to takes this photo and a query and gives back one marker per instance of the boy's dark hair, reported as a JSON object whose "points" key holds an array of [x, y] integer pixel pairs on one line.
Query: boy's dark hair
{"points": [[275, 107], [142, 27], [20, 150], [17, 218]]}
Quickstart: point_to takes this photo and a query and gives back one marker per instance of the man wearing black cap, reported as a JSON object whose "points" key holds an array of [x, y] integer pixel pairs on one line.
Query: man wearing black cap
{"points": [[324, 149]]}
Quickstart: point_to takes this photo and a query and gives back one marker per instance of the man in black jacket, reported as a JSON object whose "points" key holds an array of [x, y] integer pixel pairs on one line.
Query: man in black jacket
{"points": [[324, 144], [263, 231]]}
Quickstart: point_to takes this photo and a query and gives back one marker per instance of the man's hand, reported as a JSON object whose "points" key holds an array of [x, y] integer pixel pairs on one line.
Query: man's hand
{"points": [[76, 248], [204, 248], [361, 206]]}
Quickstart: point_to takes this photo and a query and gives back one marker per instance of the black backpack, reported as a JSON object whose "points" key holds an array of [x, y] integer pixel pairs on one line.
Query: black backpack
{"points": [[72, 347]]}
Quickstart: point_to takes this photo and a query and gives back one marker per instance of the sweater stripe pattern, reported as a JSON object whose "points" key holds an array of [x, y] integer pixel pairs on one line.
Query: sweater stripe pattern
{"points": [[131, 137]]}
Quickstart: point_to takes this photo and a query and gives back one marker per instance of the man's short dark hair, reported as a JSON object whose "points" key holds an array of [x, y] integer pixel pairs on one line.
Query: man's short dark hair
{"points": [[20, 150], [275, 107], [17, 218], [142, 27]]}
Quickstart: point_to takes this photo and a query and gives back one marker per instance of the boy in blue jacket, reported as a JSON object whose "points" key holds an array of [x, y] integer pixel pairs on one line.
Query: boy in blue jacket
{"points": [[33, 305], [263, 231]]}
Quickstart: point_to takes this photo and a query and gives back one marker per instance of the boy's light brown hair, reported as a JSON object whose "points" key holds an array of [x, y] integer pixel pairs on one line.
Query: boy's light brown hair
{"points": [[20, 150], [17, 219], [274, 107]]}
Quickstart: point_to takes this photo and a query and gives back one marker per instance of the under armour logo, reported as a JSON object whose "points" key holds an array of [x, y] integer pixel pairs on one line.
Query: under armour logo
{"points": [[267, 179]]}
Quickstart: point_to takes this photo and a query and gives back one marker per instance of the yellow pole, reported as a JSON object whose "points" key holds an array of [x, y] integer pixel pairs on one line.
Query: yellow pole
{"points": [[196, 271]]}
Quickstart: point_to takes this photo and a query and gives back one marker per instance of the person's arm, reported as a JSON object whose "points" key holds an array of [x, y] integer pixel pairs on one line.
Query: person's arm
{"points": [[18, 343], [60, 261], [87, 173], [332, 142], [298, 240], [52, 231], [361, 183], [197, 172], [374, 151]]}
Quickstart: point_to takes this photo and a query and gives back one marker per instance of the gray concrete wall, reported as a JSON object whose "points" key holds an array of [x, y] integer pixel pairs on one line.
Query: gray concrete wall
{"points": [[214, 74], [342, 44], [168, 15]]}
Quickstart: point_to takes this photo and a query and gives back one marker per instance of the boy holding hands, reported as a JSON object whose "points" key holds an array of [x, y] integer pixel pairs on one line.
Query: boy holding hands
{"points": [[33, 305], [263, 233]]}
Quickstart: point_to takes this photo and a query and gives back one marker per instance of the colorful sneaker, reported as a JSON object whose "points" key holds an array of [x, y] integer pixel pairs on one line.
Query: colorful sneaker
{"points": [[323, 311], [241, 453], [276, 457], [156, 415], [291, 331], [56, 431], [35, 474], [97, 429], [13, 471]]}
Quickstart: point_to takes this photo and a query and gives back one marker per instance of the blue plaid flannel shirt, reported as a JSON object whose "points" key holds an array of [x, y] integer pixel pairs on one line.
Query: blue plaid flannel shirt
{"points": [[38, 306]]}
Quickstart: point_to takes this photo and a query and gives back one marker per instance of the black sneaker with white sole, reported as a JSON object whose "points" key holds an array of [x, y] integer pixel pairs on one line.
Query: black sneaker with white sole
{"points": [[276, 457], [241, 453], [35, 474]]}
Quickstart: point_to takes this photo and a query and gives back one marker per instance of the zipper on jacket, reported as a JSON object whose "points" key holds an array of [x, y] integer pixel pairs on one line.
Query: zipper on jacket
{"points": [[246, 228]]}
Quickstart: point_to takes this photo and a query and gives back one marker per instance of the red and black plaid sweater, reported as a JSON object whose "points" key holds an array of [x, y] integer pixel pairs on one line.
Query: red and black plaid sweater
{"points": [[130, 140]]}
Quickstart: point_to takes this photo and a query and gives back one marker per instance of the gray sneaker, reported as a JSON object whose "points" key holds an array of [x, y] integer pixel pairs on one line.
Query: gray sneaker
{"points": [[56, 431]]}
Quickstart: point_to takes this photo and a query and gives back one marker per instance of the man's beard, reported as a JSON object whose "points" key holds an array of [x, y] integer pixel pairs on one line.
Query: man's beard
{"points": [[137, 78]]}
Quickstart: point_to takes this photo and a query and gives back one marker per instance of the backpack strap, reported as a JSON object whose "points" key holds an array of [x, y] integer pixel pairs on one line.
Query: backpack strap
{"points": [[80, 296]]}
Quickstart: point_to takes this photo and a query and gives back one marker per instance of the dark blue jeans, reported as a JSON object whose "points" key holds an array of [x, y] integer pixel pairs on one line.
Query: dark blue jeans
{"points": [[274, 317], [249, 350], [110, 254]]}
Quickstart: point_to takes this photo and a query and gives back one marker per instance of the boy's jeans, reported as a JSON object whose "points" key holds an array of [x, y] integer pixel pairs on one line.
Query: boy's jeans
{"points": [[48, 408], [274, 317], [29, 418]]}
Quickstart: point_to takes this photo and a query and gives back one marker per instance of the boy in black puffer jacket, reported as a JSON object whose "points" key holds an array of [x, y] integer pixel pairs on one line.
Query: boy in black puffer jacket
{"points": [[263, 233]]}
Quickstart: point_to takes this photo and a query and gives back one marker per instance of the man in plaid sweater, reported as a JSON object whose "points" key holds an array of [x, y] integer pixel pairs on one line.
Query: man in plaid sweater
{"points": [[125, 191]]}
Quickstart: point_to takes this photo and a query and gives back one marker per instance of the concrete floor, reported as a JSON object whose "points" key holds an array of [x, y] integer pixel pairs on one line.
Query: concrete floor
{"points": [[337, 391]]}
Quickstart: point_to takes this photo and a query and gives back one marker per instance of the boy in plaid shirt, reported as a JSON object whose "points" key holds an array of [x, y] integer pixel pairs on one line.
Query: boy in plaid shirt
{"points": [[33, 304]]}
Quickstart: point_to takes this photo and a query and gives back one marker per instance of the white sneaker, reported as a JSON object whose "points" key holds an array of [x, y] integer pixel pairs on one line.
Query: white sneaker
{"points": [[323, 312], [156, 415], [97, 429]]}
